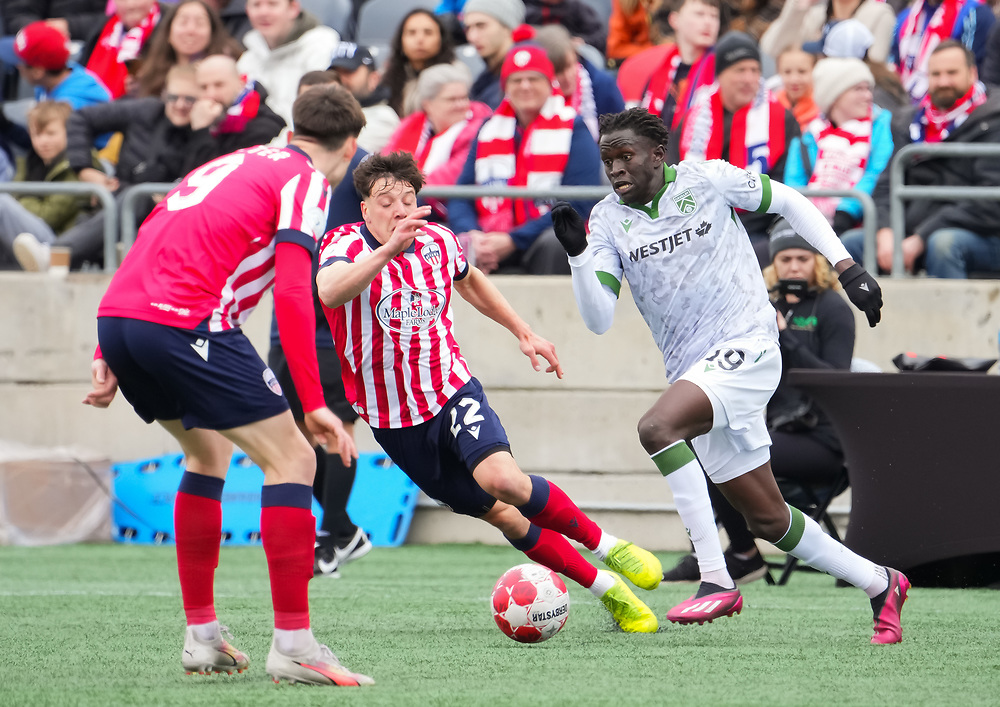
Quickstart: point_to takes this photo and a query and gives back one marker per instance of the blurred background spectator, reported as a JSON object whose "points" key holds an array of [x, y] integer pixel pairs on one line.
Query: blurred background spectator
{"points": [[534, 138], [489, 26], [750, 16], [795, 69], [285, 43], [189, 31], [76, 19], [629, 30], [233, 14], [355, 66], [578, 17], [804, 21], [115, 55], [421, 40], [590, 90]]}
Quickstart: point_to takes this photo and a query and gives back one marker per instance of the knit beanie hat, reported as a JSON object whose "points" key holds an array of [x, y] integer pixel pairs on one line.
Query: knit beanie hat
{"points": [[509, 13], [783, 237], [527, 57], [833, 76], [733, 47]]}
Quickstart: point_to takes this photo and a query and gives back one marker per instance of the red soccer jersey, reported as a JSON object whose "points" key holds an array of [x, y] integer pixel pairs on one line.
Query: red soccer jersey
{"points": [[206, 253], [400, 360]]}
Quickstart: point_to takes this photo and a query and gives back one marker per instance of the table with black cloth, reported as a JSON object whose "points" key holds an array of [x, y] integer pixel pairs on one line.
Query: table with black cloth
{"points": [[923, 456]]}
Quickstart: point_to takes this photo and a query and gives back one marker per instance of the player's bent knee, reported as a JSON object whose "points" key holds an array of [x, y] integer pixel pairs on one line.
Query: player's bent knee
{"points": [[507, 520], [768, 524], [500, 477], [656, 433]]}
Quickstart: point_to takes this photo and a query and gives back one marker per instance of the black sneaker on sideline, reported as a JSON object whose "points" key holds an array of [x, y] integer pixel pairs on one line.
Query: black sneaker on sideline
{"points": [[684, 571], [357, 547], [745, 571], [326, 561]]}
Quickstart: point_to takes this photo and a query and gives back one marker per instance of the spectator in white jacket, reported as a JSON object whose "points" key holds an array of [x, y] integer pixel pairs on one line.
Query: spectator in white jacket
{"points": [[284, 44]]}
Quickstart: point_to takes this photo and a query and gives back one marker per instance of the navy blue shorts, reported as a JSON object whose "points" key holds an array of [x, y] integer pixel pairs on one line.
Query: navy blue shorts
{"points": [[215, 381], [330, 378], [440, 454]]}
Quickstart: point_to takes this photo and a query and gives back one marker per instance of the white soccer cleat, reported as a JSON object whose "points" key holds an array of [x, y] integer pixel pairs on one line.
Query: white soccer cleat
{"points": [[317, 665], [216, 655]]}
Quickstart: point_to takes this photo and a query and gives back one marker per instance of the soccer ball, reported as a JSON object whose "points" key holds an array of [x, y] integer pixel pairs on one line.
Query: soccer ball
{"points": [[530, 603]]}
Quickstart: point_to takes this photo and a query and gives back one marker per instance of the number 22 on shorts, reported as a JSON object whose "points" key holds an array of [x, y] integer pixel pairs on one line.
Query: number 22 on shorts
{"points": [[469, 420]]}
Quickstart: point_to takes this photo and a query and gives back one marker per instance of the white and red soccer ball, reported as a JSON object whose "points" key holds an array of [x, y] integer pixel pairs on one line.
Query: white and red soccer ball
{"points": [[530, 603]]}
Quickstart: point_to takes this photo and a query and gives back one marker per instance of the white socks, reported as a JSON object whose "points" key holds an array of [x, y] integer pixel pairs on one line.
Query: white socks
{"points": [[603, 582], [604, 546]]}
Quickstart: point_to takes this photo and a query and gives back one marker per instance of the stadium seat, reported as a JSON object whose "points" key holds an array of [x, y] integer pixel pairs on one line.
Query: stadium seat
{"points": [[332, 13], [815, 502], [378, 20]]}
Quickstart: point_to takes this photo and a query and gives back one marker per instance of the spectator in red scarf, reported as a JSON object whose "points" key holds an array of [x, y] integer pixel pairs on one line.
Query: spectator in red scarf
{"points": [[121, 45], [534, 138], [955, 237], [688, 64], [231, 113], [738, 120]]}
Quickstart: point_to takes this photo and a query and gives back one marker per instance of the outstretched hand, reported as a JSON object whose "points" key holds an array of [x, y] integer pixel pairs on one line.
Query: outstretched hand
{"points": [[568, 225], [863, 291], [104, 385], [327, 428], [534, 346]]}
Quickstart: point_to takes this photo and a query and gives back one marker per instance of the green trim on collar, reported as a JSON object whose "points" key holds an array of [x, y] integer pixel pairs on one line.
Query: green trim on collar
{"points": [[606, 278], [653, 211], [765, 196]]}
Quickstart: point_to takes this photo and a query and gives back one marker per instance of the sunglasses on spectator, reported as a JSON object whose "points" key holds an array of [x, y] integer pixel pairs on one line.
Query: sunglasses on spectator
{"points": [[174, 98]]}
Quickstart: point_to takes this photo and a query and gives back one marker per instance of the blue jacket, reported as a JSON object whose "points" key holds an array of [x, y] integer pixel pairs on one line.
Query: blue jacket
{"points": [[81, 88], [583, 168], [607, 96], [487, 89], [881, 153]]}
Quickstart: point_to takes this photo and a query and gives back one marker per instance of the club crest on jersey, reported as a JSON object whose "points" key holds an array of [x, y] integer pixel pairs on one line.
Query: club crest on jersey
{"points": [[408, 311], [685, 202], [431, 254], [272, 381]]}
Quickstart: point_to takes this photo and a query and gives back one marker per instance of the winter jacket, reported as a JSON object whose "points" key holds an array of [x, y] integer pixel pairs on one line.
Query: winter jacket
{"points": [[260, 130], [309, 47], [796, 26], [81, 88], [59, 211], [578, 17], [628, 34], [83, 16], [487, 89], [924, 216], [153, 148]]}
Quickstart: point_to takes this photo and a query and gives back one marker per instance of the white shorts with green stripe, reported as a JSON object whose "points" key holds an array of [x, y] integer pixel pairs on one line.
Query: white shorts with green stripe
{"points": [[739, 377]]}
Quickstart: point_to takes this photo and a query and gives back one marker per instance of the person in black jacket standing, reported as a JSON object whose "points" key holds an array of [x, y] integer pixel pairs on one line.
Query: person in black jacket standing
{"points": [[157, 139], [815, 330]]}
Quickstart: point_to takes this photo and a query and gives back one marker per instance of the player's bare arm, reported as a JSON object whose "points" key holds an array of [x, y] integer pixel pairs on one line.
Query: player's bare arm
{"points": [[477, 290], [103, 383], [329, 430], [340, 282]]}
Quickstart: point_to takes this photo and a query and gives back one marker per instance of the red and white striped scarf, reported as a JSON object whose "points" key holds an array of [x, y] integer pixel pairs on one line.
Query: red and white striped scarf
{"points": [[931, 124], [116, 45], [841, 158], [916, 42], [661, 83], [539, 163], [757, 136], [584, 102]]}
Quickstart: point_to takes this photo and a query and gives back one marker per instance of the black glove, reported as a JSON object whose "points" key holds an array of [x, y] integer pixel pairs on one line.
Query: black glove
{"points": [[863, 291], [569, 228]]}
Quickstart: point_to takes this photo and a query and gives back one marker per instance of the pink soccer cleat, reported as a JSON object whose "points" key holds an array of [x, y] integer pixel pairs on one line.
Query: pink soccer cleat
{"points": [[887, 607], [717, 602]]}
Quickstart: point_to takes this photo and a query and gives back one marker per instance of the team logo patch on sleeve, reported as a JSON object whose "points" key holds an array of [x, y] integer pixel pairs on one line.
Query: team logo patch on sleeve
{"points": [[685, 202]]}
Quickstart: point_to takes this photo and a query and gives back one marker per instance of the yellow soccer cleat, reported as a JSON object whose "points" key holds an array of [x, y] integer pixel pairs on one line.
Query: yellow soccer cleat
{"points": [[640, 566], [629, 613]]}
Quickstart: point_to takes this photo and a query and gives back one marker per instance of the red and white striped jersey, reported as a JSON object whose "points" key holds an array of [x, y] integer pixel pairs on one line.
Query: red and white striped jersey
{"points": [[400, 360], [205, 256]]}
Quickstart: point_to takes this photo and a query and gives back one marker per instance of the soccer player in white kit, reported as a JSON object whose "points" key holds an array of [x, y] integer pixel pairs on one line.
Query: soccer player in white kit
{"points": [[673, 233]]}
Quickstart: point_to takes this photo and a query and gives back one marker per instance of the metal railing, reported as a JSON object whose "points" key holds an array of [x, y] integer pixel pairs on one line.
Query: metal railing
{"points": [[84, 189], [133, 193], [900, 192]]}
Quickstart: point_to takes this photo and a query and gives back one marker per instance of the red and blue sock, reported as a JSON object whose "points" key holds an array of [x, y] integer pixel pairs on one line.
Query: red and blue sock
{"points": [[288, 532], [549, 507], [549, 548], [198, 534]]}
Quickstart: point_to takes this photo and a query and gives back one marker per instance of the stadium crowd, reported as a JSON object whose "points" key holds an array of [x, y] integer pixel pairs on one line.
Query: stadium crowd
{"points": [[816, 93]]}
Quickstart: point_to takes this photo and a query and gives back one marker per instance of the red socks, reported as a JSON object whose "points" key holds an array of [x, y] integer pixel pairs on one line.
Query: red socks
{"points": [[198, 533], [288, 531], [549, 548], [550, 508]]}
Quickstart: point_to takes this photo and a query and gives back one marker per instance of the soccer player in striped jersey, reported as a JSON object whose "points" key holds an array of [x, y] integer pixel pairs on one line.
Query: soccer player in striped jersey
{"points": [[673, 233], [387, 284], [169, 335]]}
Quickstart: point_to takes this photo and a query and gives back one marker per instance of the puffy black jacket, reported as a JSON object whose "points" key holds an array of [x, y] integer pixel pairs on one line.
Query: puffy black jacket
{"points": [[83, 16], [153, 148], [924, 216]]}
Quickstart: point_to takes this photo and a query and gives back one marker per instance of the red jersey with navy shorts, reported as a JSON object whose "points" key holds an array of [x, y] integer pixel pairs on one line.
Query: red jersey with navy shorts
{"points": [[212, 264], [400, 360]]}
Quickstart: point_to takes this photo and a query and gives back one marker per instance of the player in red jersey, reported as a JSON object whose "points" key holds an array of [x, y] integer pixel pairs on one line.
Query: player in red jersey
{"points": [[387, 284], [169, 336]]}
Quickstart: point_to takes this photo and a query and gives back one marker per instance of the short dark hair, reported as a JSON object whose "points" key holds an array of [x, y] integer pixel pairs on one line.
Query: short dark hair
{"points": [[970, 58], [318, 78], [327, 114], [638, 120], [661, 16], [394, 167]]}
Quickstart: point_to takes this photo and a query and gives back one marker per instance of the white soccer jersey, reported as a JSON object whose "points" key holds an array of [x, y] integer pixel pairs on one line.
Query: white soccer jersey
{"points": [[689, 263]]}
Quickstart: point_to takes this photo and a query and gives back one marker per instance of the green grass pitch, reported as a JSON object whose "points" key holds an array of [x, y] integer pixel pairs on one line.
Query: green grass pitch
{"points": [[103, 625]]}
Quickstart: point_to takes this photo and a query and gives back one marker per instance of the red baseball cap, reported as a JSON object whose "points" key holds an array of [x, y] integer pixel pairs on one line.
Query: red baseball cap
{"points": [[38, 44]]}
